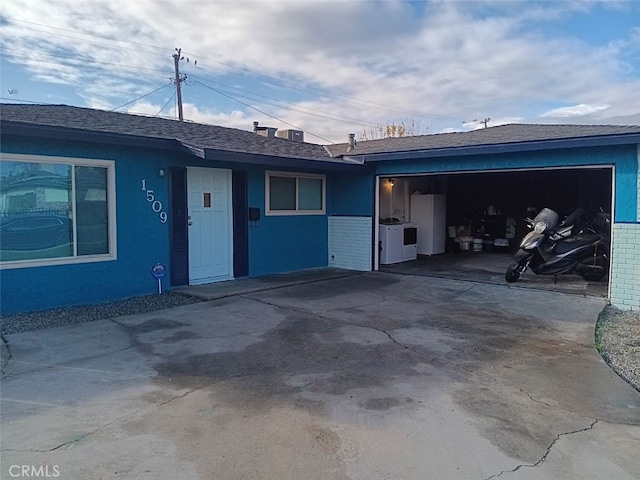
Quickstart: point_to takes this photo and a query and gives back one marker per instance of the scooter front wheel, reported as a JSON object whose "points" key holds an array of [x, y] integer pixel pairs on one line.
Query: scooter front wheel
{"points": [[513, 272]]}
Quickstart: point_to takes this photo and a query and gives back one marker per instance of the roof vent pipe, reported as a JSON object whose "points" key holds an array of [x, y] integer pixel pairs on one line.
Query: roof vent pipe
{"points": [[352, 142], [255, 127]]}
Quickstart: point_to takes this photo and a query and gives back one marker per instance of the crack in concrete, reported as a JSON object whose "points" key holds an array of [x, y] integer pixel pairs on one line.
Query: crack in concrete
{"points": [[64, 365], [546, 453], [558, 407], [453, 364], [432, 358], [92, 432], [342, 322], [6, 362]]}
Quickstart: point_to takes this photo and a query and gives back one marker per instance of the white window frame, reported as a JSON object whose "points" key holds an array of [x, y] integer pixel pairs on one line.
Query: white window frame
{"points": [[297, 176], [111, 210]]}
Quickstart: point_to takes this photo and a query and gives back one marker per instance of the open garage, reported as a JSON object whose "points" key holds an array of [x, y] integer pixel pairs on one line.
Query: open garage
{"points": [[482, 214], [484, 200], [488, 178]]}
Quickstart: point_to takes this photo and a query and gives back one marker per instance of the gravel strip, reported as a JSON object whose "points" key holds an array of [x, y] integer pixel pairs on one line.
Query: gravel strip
{"points": [[57, 317], [618, 341]]}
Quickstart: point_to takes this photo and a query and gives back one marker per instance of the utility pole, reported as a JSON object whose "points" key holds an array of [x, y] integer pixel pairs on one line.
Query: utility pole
{"points": [[178, 80]]}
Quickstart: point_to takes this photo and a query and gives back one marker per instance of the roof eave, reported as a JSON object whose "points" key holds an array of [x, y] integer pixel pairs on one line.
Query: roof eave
{"points": [[275, 161], [92, 136], [84, 135], [537, 145]]}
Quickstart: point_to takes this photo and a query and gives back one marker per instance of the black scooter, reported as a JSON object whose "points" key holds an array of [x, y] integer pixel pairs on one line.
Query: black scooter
{"points": [[551, 250]]}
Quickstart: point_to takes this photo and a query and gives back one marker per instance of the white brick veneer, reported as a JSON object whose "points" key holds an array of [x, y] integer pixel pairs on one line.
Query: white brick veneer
{"points": [[625, 267], [350, 242], [625, 264], [638, 191]]}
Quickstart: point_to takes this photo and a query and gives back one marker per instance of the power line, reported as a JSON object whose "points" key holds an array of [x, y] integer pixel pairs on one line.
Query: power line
{"points": [[264, 113], [165, 105], [78, 60], [17, 100], [282, 104], [286, 83], [75, 32], [142, 96]]}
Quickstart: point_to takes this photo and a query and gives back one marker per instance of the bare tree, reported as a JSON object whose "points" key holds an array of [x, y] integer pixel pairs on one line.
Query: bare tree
{"points": [[390, 130]]}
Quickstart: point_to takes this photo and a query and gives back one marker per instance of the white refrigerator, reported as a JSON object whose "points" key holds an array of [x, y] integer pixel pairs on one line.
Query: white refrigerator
{"points": [[429, 213]]}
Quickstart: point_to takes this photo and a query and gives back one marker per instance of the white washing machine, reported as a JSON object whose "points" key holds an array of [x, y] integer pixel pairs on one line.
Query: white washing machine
{"points": [[398, 243]]}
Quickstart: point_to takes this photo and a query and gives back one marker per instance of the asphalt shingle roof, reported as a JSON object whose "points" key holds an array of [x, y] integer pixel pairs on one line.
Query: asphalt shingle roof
{"points": [[501, 135], [199, 136]]}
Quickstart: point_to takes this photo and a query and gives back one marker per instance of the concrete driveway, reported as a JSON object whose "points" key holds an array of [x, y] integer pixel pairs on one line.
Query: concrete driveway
{"points": [[368, 376]]}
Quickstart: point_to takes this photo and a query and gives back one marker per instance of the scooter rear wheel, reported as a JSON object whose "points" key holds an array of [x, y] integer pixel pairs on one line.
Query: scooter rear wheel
{"points": [[597, 271], [513, 272]]}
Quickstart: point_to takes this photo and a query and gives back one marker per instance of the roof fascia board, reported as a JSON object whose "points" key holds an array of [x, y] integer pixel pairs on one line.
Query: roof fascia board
{"points": [[72, 134], [270, 161], [538, 145], [82, 135]]}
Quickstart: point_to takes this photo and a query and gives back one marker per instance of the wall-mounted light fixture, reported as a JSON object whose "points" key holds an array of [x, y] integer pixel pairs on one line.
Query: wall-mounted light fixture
{"points": [[392, 181], [161, 172]]}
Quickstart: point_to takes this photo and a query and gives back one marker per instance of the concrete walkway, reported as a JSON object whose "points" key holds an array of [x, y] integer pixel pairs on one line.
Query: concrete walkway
{"points": [[244, 285], [367, 376]]}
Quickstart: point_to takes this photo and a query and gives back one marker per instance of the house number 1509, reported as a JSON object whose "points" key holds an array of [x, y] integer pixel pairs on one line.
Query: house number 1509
{"points": [[156, 205]]}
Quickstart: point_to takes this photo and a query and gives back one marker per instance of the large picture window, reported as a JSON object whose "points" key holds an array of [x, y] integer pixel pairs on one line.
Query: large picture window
{"points": [[295, 194], [55, 210]]}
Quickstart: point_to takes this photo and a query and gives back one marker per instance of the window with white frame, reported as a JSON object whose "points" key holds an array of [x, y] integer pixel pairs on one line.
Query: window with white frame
{"points": [[295, 193], [55, 210]]}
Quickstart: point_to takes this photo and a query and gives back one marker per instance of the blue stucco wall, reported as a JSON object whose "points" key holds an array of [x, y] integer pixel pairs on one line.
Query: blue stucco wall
{"points": [[352, 194], [283, 243], [297, 242], [624, 158], [142, 240], [276, 244]]}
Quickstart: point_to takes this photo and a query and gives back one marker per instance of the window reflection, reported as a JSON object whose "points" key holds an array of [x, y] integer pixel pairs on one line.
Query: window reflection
{"points": [[37, 205]]}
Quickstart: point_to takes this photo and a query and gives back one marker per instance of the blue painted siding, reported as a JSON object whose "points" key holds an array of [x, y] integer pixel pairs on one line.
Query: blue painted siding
{"points": [[352, 194], [298, 242], [277, 244], [283, 243], [142, 240], [624, 158]]}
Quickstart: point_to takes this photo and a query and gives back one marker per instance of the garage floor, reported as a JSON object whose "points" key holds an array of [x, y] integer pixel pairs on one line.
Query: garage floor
{"points": [[370, 376], [487, 267]]}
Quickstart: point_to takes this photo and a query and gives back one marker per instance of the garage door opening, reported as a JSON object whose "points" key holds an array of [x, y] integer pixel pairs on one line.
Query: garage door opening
{"points": [[477, 220]]}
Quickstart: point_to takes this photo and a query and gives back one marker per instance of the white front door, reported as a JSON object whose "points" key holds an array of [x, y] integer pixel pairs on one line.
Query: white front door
{"points": [[210, 225]]}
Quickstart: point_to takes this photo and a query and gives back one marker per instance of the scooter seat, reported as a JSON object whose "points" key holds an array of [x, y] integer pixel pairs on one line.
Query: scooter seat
{"points": [[574, 242]]}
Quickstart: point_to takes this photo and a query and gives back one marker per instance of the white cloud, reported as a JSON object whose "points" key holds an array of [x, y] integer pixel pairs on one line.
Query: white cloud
{"points": [[438, 63], [574, 111]]}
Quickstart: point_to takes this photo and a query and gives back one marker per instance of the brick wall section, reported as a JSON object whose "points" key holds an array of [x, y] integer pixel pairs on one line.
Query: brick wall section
{"points": [[350, 242], [625, 264], [625, 267], [638, 210]]}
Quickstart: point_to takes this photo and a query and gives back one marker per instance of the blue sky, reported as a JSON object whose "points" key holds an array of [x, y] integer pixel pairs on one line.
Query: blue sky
{"points": [[331, 67]]}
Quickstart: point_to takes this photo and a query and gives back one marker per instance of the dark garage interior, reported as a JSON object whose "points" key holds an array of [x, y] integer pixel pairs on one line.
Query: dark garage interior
{"points": [[492, 206]]}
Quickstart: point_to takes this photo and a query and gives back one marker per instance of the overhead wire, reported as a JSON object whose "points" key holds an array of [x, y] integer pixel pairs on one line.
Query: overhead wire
{"points": [[295, 107], [286, 83], [265, 113], [141, 97], [165, 105], [111, 40], [76, 60]]}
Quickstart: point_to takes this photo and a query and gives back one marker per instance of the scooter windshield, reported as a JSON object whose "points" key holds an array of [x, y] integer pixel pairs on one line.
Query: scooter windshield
{"points": [[548, 216]]}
